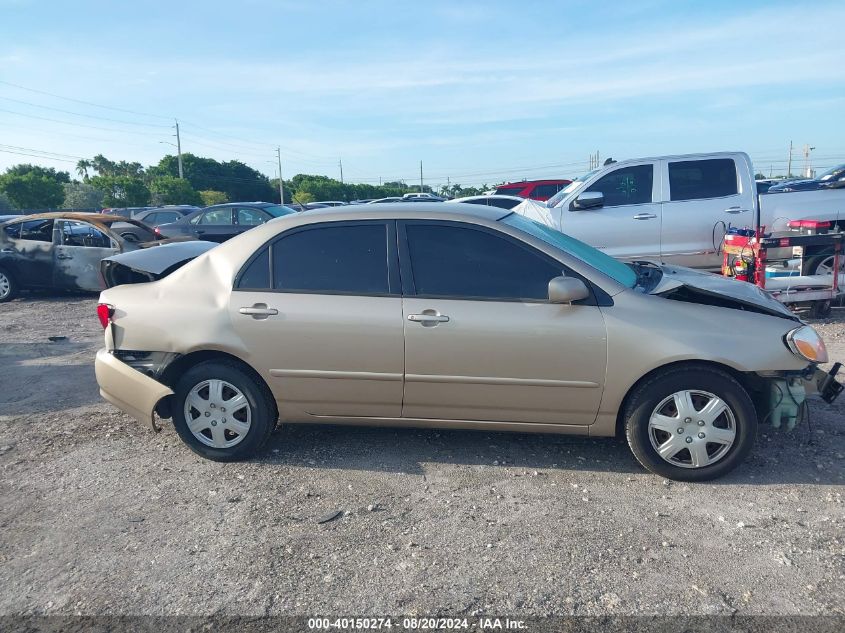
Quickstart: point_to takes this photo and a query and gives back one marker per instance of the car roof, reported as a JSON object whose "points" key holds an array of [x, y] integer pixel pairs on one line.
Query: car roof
{"points": [[240, 204], [492, 196], [402, 211], [95, 218]]}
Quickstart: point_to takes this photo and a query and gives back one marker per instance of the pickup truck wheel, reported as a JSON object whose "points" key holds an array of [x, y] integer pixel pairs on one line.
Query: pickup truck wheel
{"points": [[823, 265], [221, 412], [8, 287], [690, 424]]}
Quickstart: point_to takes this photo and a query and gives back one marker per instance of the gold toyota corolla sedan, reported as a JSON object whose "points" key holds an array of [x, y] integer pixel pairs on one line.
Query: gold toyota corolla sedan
{"points": [[425, 315]]}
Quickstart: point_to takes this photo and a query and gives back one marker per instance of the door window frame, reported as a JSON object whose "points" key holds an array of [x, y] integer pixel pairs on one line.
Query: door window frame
{"points": [[393, 275], [58, 230], [656, 186], [409, 287]]}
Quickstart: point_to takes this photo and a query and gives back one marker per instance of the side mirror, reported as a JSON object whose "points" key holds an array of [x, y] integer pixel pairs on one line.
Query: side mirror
{"points": [[588, 200], [567, 289]]}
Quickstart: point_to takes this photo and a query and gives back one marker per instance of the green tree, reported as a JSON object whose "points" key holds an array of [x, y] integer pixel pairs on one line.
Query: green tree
{"points": [[5, 203], [81, 195], [210, 197], [31, 191], [172, 190], [82, 167], [238, 181], [105, 167], [303, 197], [121, 191], [37, 170]]}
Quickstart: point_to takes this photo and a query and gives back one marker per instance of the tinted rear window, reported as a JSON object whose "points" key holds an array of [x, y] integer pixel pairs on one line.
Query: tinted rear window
{"points": [[349, 259], [696, 179]]}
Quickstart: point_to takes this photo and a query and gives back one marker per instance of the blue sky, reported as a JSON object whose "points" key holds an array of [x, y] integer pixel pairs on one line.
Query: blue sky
{"points": [[479, 91]]}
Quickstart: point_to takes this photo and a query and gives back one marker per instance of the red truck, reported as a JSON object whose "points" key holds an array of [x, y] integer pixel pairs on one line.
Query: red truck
{"points": [[534, 189]]}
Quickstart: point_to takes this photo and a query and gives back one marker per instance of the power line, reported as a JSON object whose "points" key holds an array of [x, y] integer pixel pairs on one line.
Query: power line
{"points": [[96, 105], [89, 116], [93, 127]]}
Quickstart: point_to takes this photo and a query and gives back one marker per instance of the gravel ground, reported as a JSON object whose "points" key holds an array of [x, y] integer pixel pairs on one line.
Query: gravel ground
{"points": [[101, 516]]}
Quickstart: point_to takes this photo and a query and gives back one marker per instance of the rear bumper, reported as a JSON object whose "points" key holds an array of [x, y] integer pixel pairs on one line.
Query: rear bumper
{"points": [[128, 389]]}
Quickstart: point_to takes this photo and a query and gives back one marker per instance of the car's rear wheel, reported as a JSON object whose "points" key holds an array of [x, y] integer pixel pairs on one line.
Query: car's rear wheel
{"points": [[690, 424], [222, 412], [8, 287]]}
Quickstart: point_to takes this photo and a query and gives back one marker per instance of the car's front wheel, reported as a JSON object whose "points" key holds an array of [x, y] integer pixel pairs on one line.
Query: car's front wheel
{"points": [[690, 424], [8, 287], [222, 412]]}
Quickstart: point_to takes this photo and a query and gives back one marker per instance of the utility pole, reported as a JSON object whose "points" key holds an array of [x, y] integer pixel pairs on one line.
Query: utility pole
{"points": [[807, 170], [340, 164], [179, 148], [281, 182], [789, 163], [421, 178]]}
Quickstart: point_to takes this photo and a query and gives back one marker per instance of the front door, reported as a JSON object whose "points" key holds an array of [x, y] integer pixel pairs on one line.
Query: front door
{"points": [[628, 225], [28, 251], [320, 313], [482, 342], [79, 249]]}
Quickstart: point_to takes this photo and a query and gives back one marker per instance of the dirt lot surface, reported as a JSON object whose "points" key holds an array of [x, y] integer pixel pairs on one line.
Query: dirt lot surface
{"points": [[101, 516]]}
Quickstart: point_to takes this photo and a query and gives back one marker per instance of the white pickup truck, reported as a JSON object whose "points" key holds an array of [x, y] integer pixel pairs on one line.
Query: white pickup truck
{"points": [[676, 208]]}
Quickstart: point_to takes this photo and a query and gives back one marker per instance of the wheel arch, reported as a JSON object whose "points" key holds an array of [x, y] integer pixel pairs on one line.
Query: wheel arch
{"points": [[180, 365], [744, 379]]}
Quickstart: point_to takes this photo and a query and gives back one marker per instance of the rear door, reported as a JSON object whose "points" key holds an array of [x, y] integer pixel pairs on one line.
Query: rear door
{"points": [[79, 248], [249, 217], [702, 199], [27, 250], [482, 341], [320, 311], [215, 225], [628, 225]]}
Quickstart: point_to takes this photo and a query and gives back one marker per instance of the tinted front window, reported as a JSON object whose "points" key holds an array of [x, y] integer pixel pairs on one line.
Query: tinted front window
{"points": [[13, 230], [696, 179], [451, 261], [627, 185], [510, 191], [165, 218], [349, 259]]}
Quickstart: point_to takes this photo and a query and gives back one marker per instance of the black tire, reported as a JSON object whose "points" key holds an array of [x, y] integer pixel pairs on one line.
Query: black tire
{"points": [[820, 309], [8, 286], [653, 391], [811, 264], [260, 400]]}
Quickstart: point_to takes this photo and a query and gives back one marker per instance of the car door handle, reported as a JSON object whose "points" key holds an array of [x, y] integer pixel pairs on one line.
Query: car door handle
{"points": [[428, 318], [60, 256], [735, 210], [258, 311], [8, 251], [644, 216]]}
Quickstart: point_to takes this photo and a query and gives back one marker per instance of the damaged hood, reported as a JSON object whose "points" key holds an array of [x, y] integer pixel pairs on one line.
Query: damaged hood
{"points": [[149, 264], [686, 284]]}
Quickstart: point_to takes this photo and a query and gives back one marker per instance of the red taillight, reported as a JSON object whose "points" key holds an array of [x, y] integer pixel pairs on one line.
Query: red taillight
{"points": [[157, 231], [105, 312]]}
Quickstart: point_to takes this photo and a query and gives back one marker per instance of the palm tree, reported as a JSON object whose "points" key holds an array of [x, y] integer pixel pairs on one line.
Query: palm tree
{"points": [[82, 168]]}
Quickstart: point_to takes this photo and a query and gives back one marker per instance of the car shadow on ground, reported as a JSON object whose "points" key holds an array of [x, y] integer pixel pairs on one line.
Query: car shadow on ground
{"points": [[779, 458]]}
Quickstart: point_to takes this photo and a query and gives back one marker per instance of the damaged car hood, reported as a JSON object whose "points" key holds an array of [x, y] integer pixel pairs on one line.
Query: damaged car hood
{"points": [[150, 264], [686, 284]]}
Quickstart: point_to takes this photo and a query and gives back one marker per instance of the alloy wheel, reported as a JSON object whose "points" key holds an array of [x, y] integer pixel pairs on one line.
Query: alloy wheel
{"points": [[5, 286], [217, 413], [692, 429]]}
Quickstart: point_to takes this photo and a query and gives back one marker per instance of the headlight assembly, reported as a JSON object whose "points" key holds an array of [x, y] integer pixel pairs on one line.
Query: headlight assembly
{"points": [[806, 343]]}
